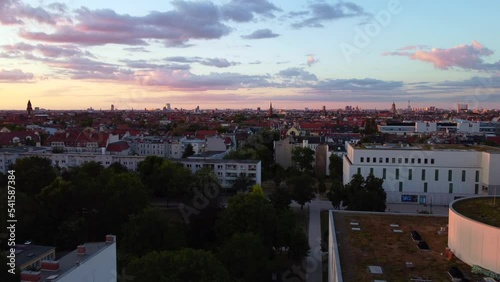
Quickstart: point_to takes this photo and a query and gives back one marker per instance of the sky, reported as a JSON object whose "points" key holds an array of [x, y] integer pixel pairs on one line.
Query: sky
{"points": [[77, 54]]}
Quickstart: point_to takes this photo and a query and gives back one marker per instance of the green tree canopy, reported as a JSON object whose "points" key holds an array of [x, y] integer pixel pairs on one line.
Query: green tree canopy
{"points": [[336, 167], [281, 198], [33, 174], [188, 151], [150, 230], [245, 257], [365, 194], [185, 265], [303, 158], [302, 189]]}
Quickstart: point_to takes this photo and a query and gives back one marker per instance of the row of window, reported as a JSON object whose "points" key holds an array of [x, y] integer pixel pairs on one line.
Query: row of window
{"points": [[393, 160], [423, 174], [450, 187]]}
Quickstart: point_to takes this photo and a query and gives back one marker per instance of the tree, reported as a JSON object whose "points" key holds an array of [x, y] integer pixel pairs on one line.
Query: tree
{"points": [[299, 245], [245, 257], [33, 174], [242, 183], [336, 167], [321, 187], [279, 174], [365, 194], [280, 198], [164, 178], [336, 193], [151, 230], [302, 189], [249, 213], [179, 266], [188, 151], [303, 158]]}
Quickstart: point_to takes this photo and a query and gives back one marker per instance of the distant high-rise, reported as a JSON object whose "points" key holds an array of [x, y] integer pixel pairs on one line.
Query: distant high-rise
{"points": [[168, 107], [270, 109], [112, 107], [29, 108], [324, 110]]}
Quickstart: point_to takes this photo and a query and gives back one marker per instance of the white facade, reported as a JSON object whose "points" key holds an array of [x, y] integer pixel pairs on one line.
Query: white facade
{"points": [[424, 174], [474, 242], [227, 170]]}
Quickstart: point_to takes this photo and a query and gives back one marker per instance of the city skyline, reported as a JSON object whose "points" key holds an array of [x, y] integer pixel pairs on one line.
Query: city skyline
{"points": [[244, 54]]}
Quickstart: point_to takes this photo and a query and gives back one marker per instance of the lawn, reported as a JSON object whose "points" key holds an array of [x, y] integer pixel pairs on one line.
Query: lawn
{"points": [[481, 209], [377, 244]]}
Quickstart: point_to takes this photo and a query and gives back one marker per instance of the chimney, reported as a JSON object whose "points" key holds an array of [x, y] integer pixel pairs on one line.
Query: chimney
{"points": [[81, 250], [110, 239], [52, 265], [31, 276]]}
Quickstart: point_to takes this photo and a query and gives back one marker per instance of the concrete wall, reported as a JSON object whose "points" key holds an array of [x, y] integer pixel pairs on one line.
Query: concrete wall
{"points": [[473, 242]]}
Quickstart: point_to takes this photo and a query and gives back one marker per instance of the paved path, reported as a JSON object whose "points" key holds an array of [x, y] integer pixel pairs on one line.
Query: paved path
{"points": [[315, 258]]}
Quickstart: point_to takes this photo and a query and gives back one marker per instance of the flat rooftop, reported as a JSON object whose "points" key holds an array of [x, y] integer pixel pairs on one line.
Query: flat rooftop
{"points": [[429, 147], [484, 210], [376, 244], [26, 253], [71, 260]]}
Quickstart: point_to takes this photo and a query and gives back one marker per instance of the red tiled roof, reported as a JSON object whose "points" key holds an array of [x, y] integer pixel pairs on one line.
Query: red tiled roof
{"points": [[119, 146]]}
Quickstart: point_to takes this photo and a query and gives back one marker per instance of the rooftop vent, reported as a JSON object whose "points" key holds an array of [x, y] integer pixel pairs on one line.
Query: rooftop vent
{"points": [[81, 250]]}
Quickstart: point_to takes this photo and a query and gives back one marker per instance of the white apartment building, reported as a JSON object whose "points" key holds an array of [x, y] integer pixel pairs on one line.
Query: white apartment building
{"points": [[226, 170], [420, 127], [427, 174]]}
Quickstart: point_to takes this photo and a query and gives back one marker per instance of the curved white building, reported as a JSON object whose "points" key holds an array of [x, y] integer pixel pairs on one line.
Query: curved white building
{"points": [[472, 241]]}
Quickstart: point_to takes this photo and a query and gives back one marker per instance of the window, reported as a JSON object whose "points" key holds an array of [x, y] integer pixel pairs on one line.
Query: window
{"points": [[400, 160], [436, 175], [419, 160], [384, 171], [374, 160], [397, 173], [359, 170], [450, 188], [367, 160], [425, 187], [477, 175], [380, 160], [412, 160], [476, 189], [423, 174], [410, 174], [432, 161], [393, 160], [371, 170], [387, 160], [400, 186], [425, 161], [406, 160], [450, 175], [463, 175]]}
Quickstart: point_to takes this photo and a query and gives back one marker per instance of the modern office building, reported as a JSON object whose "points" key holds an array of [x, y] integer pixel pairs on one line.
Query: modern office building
{"points": [[426, 174]]}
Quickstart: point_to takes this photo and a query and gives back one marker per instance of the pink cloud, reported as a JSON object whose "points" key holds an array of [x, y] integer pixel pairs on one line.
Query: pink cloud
{"points": [[15, 75], [14, 12], [311, 60], [188, 20], [461, 56]]}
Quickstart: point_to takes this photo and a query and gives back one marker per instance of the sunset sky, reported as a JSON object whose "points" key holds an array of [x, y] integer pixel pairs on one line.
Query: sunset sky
{"points": [[77, 54]]}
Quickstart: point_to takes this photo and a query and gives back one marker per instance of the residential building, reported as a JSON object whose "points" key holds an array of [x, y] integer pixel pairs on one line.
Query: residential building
{"points": [[94, 261]]}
